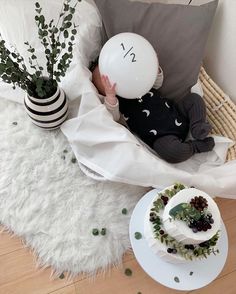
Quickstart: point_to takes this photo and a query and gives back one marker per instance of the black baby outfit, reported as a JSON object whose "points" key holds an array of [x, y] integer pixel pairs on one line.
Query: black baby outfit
{"points": [[152, 117], [164, 125]]}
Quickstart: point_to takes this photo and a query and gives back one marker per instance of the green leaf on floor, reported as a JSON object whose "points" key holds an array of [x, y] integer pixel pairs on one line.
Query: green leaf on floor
{"points": [[128, 272], [124, 211], [62, 276]]}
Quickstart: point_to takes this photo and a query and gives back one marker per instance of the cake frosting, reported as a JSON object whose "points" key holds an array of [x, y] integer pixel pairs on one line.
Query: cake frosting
{"points": [[175, 238]]}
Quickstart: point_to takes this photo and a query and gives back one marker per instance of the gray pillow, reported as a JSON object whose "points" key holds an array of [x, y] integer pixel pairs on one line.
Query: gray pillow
{"points": [[177, 32]]}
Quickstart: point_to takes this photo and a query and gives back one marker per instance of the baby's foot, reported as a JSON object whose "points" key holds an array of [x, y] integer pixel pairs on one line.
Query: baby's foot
{"points": [[200, 130], [203, 145]]}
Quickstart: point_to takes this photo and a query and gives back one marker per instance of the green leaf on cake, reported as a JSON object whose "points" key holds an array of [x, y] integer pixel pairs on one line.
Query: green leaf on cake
{"points": [[177, 209], [185, 211]]}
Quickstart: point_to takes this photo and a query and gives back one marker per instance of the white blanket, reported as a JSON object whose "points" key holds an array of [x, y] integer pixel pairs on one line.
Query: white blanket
{"points": [[110, 150], [99, 143]]}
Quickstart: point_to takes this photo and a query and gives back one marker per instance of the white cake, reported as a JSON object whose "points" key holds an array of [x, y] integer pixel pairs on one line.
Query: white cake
{"points": [[178, 240]]}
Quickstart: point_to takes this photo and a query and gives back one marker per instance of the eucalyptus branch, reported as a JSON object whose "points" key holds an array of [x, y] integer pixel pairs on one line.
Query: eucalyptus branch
{"points": [[60, 15], [16, 55], [10, 69], [66, 9], [13, 69], [72, 11]]}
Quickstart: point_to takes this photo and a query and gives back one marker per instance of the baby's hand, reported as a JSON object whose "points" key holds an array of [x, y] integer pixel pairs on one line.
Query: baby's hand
{"points": [[109, 90]]}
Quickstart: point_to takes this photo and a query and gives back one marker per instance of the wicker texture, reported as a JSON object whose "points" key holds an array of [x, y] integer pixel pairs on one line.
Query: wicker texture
{"points": [[221, 111]]}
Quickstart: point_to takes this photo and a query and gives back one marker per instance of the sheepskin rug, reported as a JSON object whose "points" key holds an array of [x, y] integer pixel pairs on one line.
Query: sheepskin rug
{"points": [[52, 205]]}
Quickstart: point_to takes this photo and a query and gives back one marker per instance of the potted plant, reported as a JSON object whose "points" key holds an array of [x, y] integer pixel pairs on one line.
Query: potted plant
{"points": [[45, 102]]}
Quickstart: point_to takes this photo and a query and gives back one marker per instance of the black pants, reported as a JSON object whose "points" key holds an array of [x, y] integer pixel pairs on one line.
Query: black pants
{"points": [[173, 149]]}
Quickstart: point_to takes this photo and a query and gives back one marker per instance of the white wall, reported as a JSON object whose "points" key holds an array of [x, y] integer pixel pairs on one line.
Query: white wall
{"points": [[220, 60]]}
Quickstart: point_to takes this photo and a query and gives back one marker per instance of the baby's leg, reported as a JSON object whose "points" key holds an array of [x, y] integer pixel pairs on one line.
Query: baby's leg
{"points": [[193, 107], [173, 150]]}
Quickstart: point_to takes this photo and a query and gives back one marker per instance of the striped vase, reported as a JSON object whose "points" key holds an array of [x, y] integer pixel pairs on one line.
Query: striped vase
{"points": [[47, 113]]}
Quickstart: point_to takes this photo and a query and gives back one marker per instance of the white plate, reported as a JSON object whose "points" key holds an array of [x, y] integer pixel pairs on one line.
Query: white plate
{"points": [[204, 271]]}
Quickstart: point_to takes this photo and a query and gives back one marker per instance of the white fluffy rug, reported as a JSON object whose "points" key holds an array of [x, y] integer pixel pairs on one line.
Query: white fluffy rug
{"points": [[47, 200]]}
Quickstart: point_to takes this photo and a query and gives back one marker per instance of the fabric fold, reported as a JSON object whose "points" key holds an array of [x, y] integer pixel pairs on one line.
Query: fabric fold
{"points": [[109, 149]]}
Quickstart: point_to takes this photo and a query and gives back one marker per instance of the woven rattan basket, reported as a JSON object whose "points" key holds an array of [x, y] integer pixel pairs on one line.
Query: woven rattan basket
{"points": [[221, 111]]}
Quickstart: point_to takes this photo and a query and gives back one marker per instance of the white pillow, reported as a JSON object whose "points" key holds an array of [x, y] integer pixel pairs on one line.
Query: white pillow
{"points": [[220, 58], [17, 25]]}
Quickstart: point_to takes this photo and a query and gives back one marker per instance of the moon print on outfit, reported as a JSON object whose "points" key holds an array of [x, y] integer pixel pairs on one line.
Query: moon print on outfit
{"points": [[147, 112], [178, 124], [125, 118], [154, 132], [167, 105], [150, 93]]}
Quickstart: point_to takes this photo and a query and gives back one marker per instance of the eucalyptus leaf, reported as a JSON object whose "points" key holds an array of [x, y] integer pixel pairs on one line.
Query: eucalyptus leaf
{"points": [[68, 17], [177, 209], [41, 19], [67, 25], [38, 10], [185, 211], [66, 7], [66, 34]]}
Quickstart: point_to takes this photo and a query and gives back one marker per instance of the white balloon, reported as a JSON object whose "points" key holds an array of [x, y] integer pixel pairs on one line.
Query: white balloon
{"points": [[130, 61]]}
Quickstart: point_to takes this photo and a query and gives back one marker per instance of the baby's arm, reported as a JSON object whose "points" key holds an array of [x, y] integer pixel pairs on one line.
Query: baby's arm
{"points": [[111, 101], [159, 80]]}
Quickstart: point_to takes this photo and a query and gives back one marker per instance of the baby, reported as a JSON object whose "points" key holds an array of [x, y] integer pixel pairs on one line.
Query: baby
{"points": [[159, 122]]}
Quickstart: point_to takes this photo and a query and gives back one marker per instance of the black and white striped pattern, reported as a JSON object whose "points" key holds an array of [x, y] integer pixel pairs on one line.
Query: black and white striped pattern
{"points": [[47, 113]]}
